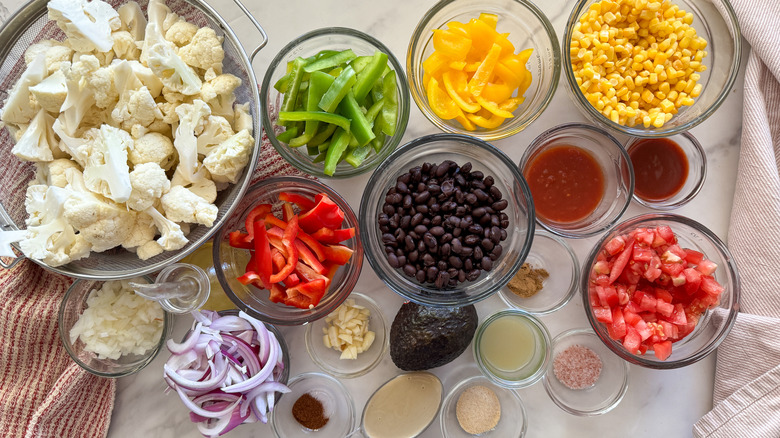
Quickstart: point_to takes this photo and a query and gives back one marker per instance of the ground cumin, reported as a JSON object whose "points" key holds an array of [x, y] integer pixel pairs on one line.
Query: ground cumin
{"points": [[528, 281], [308, 411]]}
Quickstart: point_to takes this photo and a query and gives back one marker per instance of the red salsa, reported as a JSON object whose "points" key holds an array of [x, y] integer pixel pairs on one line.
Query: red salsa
{"points": [[566, 183], [660, 168]]}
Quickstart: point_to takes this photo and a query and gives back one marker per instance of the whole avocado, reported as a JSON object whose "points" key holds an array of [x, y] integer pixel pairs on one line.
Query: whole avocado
{"points": [[423, 337]]}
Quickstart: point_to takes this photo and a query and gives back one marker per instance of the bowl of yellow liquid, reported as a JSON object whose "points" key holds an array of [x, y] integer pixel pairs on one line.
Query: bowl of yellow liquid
{"points": [[512, 348], [204, 258]]}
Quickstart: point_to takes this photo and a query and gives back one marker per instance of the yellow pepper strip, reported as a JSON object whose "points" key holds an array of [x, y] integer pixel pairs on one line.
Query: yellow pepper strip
{"points": [[471, 67], [491, 123], [434, 63], [493, 107], [482, 37], [467, 124], [454, 82], [496, 92], [502, 40], [526, 83], [511, 78], [457, 65], [485, 71], [512, 103], [451, 44], [525, 55], [441, 103], [489, 19], [459, 28]]}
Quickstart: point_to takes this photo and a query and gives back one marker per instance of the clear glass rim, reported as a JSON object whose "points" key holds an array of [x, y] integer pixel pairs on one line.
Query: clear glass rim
{"points": [[421, 99], [390, 144], [546, 341], [544, 137], [322, 309], [560, 403], [664, 205], [600, 329], [584, 104], [65, 337], [326, 367], [369, 225], [473, 379]]}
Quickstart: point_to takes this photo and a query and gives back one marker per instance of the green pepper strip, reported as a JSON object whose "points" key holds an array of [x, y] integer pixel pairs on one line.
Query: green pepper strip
{"points": [[319, 158], [288, 135], [283, 83], [338, 89], [312, 150], [360, 126], [374, 111], [291, 97], [379, 141], [356, 156], [331, 61], [337, 146], [321, 54], [390, 109], [319, 83], [369, 75], [323, 135], [360, 63], [320, 116], [324, 146]]}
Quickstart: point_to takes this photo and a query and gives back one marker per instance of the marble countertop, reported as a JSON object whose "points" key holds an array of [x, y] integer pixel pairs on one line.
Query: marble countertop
{"points": [[658, 403]]}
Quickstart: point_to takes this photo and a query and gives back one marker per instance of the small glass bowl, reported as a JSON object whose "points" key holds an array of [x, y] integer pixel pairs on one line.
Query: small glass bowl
{"points": [[614, 163], [709, 331], [336, 401], [401, 412], [608, 390], [309, 44], [527, 27], [529, 373], [697, 172], [716, 22], [512, 424], [460, 149], [230, 263], [328, 359], [71, 308], [553, 254]]}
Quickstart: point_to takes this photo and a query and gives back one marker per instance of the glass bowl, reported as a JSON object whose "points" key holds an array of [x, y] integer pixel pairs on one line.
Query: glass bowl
{"points": [[614, 162], [716, 22], [329, 360], [230, 263], [512, 424], [527, 27], [553, 254], [336, 401], [697, 172], [710, 330], [72, 306], [460, 149], [608, 390], [402, 412], [522, 375], [309, 44]]}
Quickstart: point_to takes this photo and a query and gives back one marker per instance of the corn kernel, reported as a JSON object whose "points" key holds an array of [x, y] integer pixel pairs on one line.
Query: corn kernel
{"points": [[696, 91]]}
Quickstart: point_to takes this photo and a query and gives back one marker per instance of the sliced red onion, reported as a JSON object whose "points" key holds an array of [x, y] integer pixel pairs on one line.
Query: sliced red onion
{"points": [[179, 361], [188, 343], [258, 378], [206, 385], [245, 351], [216, 428], [262, 336], [247, 336], [230, 323], [205, 412], [201, 317]]}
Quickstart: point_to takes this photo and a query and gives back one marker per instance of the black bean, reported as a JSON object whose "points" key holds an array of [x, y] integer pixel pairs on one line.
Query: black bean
{"points": [[477, 175], [400, 234], [416, 174], [489, 181], [389, 239], [471, 240], [475, 229], [504, 223], [446, 238], [466, 251], [449, 206], [388, 209], [478, 212], [426, 221], [472, 275], [426, 167], [437, 231], [495, 221], [487, 244], [466, 222], [466, 168], [477, 253], [454, 221], [461, 275], [495, 193], [460, 197], [471, 198], [442, 280], [457, 246], [417, 219], [422, 198], [436, 222], [444, 250], [410, 270], [384, 229], [407, 202], [401, 260], [422, 209], [455, 261], [493, 257], [485, 220], [421, 247], [497, 250], [413, 256], [383, 219], [500, 205], [468, 265], [503, 235], [429, 240], [409, 243], [457, 232], [486, 263], [460, 211], [447, 187], [395, 220], [388, 249], [405, 222], [442, 265], [401, 187], [460, 180], [420, 229], [435, 207], [481, 195], [442, 169], [420, 276]]}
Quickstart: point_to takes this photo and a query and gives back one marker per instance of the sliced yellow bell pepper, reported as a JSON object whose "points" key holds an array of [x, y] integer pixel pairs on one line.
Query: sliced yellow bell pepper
{"points": [[451, 44], [493, 107], [457, 65], [467, 124], [526, 83], [440, 102], [489, 19], [434, 63], [488, 123], [510, 77], [485, 71], [459, 28], [512, 103], [496, 92], [455, 84]]}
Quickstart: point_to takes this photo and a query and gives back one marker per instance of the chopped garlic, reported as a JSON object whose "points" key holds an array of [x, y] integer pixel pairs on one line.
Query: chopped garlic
{"points": [[347, 330]]}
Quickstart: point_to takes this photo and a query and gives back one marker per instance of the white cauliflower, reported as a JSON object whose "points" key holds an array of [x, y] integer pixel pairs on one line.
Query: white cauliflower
{"points": [[192, 120], [171, 235], [149, 250], [181, 32], [52, 173], [51, 92], [88, 25], [155, 148], [149, 183], [217, 130], [203, 185], [56, 52], [227, 160], [50, 238], [101, 83], [136, 108], [181, 205], [133, 20], [242, 119], [74, 146], [37, 141], [18, 107], [124, 45], [162, 58], [219, 93], [103, 223], [147, 77], [80, 97], [204, 51], [105, 169], [142, 233]]}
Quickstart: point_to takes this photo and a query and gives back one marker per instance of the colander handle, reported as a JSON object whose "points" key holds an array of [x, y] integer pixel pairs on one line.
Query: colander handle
{"points": [[257, 25], [11, 264]]}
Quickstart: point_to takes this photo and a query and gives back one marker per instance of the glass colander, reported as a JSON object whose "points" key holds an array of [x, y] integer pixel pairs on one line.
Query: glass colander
{"points": [[30, 25]]}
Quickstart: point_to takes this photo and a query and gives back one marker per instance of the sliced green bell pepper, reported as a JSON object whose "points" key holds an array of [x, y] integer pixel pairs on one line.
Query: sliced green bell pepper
{"points": [[337, 146], [390, 108], [288, 135], [321, 116], [331, 61], [319, 83], [337, 90], [368, 76], [360, 126]]}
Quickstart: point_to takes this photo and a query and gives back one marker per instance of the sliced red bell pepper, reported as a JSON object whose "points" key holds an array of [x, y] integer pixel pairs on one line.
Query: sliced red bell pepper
{"points": [[296, 299], [259, 212], [324, 214], [276, 242], [251, 264], [309, 274], [251, 277], [338, 254], [326, 235], [312, 243], [239, 240], [301, 201], [262, 253], [332, 269], [313, 290], [305, 255], [278, 294], [292, 280], [279, 260], [288, 240], [287, 211]]}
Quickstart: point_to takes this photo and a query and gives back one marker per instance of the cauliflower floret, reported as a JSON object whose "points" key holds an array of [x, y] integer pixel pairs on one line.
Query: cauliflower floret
{"points": [[138, 109], [56, 52], [181, 33], [52, 173], [38, 141], [105, 168], [143, 232], [181, 205], [192, 120], [155, 148], [124, 45], [103, 223], [147, 78], [149, 183], [80, 97], [101, 83], [203, 186], [171, 235], [18, 108], [162, 58], [51, 92], [217, 130], [227, 160], [220, 94], [149, 250], [88, 25], [242, 120], [204, 51], [133, 20]]}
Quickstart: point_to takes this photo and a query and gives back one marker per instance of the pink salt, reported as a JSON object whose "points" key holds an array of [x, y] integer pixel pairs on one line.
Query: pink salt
{"points": [[577, 367]]}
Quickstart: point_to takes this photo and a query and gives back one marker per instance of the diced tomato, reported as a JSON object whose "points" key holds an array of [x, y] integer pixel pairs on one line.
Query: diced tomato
{"points": [[710, 285], [693, 256], [648, 303], [617, 330], [692, 280], [631, 317], [632, 307], [620, 262], [643, 329], [675, 251], [603, 314], [601, 267], [678, 315], [602, 280], [664, 308], [707, 267], [662, 350], [673, 269], [645, 236], [632, 340], [653, 270], [670, 330], [642, 253], [663, 295], [615, 245], [607, 296], [666, 233]]}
